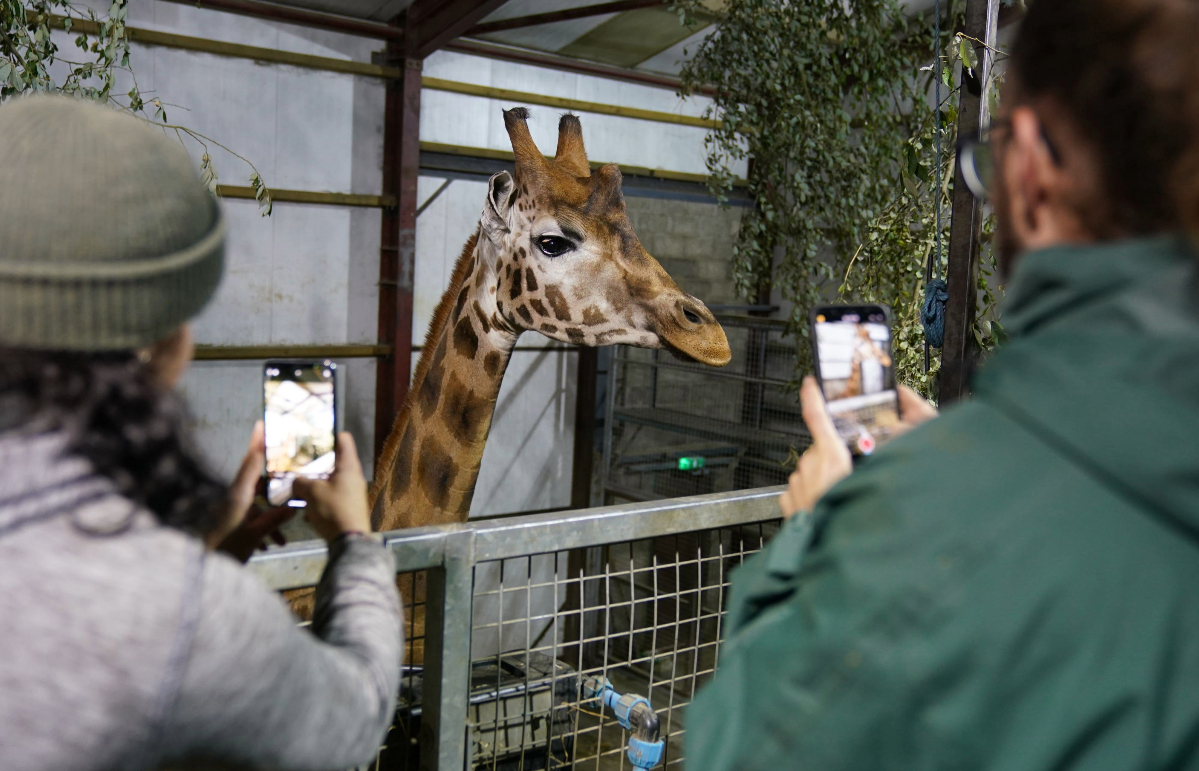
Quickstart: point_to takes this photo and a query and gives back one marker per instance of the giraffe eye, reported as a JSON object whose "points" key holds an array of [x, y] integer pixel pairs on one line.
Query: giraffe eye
{"points": [[554, 246]]}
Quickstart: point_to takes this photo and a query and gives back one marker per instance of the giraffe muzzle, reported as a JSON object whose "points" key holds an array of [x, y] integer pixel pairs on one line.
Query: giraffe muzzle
{"points": [[692, 332]]}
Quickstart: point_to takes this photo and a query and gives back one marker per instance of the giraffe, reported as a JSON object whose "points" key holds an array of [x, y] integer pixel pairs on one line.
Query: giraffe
{"points": [[553, 252]]}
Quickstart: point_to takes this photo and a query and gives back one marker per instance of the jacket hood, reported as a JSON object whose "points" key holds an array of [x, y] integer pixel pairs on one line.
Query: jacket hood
{"points": [[1103, 365]]}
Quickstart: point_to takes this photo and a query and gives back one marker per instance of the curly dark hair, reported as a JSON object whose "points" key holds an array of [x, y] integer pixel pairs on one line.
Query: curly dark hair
{"points": [[131, 430]]}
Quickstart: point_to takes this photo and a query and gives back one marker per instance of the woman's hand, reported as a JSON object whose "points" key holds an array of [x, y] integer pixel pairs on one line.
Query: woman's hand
{"points": [[243, 526], [338, 504], [822, 465], [828, 460]]}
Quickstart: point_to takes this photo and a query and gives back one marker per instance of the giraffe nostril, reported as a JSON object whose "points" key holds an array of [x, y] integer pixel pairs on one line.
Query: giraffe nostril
{"points": [[691, 316]]}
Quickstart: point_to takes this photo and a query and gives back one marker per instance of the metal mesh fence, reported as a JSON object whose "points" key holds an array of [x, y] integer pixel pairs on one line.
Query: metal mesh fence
{"points": [[643, 615], [675, 428], [401, 746], [519, 630]]}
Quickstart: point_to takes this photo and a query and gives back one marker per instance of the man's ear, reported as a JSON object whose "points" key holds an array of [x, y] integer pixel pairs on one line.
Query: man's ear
{"points": [[501, 190]]}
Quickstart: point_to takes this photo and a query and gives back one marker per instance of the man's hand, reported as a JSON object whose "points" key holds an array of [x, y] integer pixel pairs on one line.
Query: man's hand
{"points": [[243, 526], [822, 465], [337, 505], [828, 460], [913, 410]]}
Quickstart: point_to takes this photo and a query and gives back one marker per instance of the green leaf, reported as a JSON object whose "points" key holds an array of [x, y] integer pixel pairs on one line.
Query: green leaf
{"points": [[968, 54]]}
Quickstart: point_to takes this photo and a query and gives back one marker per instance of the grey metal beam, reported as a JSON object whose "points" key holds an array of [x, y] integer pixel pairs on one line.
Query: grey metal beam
{"points": [[446, 682], [455, 166]]}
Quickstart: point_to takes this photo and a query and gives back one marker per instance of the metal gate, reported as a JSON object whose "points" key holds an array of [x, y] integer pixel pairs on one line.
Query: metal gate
{"points": [[520, 610]]}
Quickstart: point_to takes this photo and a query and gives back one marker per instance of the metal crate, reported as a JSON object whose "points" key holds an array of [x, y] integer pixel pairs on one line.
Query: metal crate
{"points": [[675, 428]]}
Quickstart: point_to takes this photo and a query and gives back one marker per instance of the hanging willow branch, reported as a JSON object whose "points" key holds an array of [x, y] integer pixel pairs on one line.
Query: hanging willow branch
{"points": [[829, 101], [31, 62]]}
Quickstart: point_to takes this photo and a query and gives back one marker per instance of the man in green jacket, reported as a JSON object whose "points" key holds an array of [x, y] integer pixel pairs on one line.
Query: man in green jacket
{"points": [[1015, 584]]}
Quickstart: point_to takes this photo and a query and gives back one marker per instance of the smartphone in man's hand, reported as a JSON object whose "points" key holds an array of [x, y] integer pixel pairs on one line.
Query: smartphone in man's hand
{"points": [[852, 350]]}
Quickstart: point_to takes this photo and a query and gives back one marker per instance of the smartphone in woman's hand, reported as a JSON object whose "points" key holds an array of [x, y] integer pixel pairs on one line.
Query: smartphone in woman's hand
{"points": [[300, 416]]}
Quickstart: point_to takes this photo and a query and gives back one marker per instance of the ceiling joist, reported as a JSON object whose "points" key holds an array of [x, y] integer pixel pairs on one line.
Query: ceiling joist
{"points": [[433, 23], [568, 14]]}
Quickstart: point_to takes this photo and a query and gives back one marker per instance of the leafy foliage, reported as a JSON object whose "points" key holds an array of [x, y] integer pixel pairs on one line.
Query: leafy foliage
{"points": [[829, 100], [31, 62]]}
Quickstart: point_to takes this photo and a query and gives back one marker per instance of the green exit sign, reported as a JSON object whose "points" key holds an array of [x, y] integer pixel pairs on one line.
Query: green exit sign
{"points": [[691, 464]]}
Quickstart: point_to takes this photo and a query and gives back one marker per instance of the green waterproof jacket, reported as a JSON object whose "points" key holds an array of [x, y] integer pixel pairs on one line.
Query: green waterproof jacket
{"points": [[1014, 585]]}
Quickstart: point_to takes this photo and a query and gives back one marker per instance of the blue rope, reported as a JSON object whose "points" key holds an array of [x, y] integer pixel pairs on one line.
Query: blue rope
{"points": [[936, 291]]}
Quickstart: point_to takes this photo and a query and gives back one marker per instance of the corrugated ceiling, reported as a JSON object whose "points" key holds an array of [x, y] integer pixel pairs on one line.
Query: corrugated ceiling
{"points": [[649, 39]]}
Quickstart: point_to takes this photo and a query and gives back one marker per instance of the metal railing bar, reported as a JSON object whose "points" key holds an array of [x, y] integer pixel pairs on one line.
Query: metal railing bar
{"points": [[319, 351], [706, 373], [544, 533], [300, 564], [525, 97]]}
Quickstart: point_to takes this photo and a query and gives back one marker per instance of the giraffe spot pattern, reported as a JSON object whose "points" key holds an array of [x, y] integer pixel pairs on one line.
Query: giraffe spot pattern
{"points": [[430, 387], [554, 295], [549, 329], [435, 470], [491, 363], [576, 335], [401, 478], [464, 412], [516, 289], [592, 316], [461, 301], [537, 306], [482, 318], [605, 338], [524, 314], [530, 280], [466, 341]]}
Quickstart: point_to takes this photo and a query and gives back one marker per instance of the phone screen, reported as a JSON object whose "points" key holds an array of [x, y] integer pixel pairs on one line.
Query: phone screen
{"points": [[853, 348], [300, 418]]}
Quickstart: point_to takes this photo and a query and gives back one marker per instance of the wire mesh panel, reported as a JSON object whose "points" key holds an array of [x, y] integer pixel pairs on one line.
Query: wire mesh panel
{"points": [[676, 428], [643, 616], [401, 746], [526, 637]]}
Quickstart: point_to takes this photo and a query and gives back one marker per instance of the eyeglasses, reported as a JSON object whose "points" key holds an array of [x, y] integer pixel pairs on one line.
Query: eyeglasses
{"points": [[977, 162]]}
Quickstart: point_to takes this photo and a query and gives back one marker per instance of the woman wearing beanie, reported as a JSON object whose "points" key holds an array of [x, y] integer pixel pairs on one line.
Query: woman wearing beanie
{"points": [[126, 640]]}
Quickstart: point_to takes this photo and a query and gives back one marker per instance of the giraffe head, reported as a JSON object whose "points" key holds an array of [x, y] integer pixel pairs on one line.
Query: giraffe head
{"points": [[568, 264]]}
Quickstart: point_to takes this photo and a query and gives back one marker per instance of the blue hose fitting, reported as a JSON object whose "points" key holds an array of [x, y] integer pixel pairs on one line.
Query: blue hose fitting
{"points": [[634, 714]]}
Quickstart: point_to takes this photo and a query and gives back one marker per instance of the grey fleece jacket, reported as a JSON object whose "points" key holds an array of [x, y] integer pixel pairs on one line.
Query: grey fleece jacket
{"points": [[125, 645]]}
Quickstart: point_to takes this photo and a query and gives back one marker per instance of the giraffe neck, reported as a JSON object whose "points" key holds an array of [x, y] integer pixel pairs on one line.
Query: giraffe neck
{"points": [[428, 470]]}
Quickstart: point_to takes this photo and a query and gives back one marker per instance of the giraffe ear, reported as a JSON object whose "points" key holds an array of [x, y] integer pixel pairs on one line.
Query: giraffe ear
{"points": [[501, 191]]}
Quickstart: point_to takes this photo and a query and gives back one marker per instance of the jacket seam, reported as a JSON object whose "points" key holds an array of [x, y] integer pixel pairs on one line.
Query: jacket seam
{"points": [[172, 680]]}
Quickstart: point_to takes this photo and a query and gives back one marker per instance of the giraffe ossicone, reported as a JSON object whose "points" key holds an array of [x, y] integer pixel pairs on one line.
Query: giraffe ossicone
{"points": [[554, 253]]}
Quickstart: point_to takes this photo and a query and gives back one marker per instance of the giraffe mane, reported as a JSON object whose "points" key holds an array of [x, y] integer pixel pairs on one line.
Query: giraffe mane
{"points": [[437, 324]]}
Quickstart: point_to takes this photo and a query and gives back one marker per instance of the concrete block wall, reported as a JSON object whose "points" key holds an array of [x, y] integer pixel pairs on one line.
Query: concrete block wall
{"points": [[693, 241]]}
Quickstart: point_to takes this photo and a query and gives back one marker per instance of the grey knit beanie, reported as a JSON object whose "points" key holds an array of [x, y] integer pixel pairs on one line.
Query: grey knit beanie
{"points": [[108, 238]]}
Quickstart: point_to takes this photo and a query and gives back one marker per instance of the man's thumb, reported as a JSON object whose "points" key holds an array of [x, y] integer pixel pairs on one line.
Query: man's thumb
{"points": [[815, 414]]}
